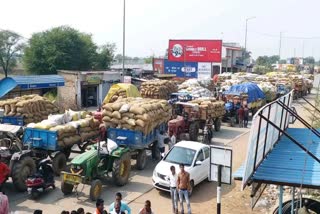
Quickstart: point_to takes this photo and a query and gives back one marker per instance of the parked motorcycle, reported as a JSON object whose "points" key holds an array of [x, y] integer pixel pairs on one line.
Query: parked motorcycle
{"points": [[42, 180]]}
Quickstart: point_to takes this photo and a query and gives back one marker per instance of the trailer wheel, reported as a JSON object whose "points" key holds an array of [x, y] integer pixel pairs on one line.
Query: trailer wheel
{"points": [[155, 151], [217, 124], [194, 131], [59, 163], [121, 169], [141, 159], [95, 190], [21, 170], [66, 188]]}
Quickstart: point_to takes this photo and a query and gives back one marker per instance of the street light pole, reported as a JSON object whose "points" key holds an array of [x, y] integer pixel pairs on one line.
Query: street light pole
{"points": [[245, 40], [123, 37]]}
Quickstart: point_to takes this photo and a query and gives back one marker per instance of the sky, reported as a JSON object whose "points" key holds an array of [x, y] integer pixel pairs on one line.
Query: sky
{"points": [[151, 23]]}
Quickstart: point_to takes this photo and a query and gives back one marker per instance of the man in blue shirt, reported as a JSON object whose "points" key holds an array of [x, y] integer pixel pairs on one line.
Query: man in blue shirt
{"points": [[124, 207]]}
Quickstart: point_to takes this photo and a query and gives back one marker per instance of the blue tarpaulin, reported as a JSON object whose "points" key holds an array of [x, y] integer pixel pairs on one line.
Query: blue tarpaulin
{"points": [[252, 89], [6, 85]]}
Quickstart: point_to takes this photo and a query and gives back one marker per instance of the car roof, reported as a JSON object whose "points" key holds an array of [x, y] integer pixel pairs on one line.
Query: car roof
{"points": [[191, 144]]}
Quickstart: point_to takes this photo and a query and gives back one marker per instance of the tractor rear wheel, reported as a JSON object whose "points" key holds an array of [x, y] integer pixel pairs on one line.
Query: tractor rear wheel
{"points": [[141, 159], [21, 170], [66, 188], [217, 124], [194, 131], [121, 169], [59, 163], [95, 190]]}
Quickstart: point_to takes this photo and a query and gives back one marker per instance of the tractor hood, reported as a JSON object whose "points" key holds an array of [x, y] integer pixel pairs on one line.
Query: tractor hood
{"points": [[84, 157]]}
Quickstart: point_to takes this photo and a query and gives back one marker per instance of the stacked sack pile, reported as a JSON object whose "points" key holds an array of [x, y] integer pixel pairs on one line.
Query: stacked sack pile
{"points": [[138, 114], [72, 127], [121, 92], [208, 107], [158, 89], [33, 108], [194, 88]]}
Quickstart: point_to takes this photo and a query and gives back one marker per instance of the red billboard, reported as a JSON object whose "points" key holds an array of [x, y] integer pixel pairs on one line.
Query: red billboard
{"points": [[158, 65], [195, 50]]}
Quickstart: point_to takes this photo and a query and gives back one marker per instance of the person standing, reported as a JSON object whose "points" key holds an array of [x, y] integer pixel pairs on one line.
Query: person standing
{"points": [[147, 208], [124, 206], [161, 146], [246, 116], [173, 178], [173, 140], [241, 116], [183, 184], [117, 208], [100, 207]]}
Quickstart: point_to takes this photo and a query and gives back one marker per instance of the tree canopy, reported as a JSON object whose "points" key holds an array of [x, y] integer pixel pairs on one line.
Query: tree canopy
{"points": [[11, 46], [67, 49], [267, 60]]}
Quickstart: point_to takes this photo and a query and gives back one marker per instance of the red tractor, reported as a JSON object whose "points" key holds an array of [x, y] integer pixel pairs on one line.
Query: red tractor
{"points": [[190, 121]]}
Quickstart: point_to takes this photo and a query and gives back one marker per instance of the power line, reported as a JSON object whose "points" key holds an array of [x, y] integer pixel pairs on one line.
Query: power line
{"points": [[285, 37]]}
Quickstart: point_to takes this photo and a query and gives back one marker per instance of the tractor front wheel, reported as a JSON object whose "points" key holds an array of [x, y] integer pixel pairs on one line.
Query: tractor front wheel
{"points": [[217, 124], [59, 163], [121, 169], [66, 188], [141, 159], [95, 190], [194, 131]]}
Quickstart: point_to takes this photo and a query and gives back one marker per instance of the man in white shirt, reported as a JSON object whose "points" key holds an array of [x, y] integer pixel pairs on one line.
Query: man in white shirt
{"points": [[172, 178], [173, 139]]}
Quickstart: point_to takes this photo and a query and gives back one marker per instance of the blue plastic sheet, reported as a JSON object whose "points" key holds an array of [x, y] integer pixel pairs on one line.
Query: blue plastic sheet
{"points": [[252, 89], [6, 85]]}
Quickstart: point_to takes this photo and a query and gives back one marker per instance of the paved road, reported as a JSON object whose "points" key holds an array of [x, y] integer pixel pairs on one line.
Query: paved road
{"points": [[140, 183]]}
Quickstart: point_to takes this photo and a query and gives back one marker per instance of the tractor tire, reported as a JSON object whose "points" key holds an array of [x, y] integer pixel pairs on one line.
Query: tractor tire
{"points": [[66, 188], [21, 170], [194, 131], [95, 189], [121, 169], [59, 163], [156, 155], [141, 159], [217, 124]]}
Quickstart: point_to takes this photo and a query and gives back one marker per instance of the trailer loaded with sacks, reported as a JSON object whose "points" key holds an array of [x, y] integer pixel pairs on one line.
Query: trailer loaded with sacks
{"points": [[26, 109]]}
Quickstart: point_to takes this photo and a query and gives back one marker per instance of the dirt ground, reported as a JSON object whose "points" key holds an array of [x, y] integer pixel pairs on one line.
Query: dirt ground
{"points": [[233, 199]]}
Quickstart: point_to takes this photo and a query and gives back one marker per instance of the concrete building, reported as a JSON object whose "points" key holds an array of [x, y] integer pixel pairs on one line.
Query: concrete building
{"points": [[231, 57], [85, 89]]}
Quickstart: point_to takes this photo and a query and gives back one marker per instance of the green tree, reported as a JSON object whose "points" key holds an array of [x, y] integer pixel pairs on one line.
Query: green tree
{"points": [[105, 56], [59, 48], [309, 60], [267, 61], [11, 46], [148, 60]]}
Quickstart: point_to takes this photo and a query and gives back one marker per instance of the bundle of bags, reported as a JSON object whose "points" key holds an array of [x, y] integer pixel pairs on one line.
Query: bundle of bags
{"points": [[33, 108], [138, 114], [198, 92], [208, 107], [158, 89], [269, 90], [121, 92], [72, 127]]}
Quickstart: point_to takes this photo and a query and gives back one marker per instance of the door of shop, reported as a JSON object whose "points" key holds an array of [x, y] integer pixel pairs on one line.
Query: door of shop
{"points": [[89, 96]]}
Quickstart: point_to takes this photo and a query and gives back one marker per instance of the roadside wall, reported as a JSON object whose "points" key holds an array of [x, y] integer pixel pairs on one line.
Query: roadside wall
{"points": [[67, 95]]}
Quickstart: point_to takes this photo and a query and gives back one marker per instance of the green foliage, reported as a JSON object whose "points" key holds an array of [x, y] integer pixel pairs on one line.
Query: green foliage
{"points": [[59, 48], [51, 95], [105, 56], [309, 60], [267, 60], [148, 60], [10, 49]]}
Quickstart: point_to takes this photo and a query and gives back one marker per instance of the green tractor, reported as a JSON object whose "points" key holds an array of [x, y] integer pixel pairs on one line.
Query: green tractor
{"points": [[97, 162]]}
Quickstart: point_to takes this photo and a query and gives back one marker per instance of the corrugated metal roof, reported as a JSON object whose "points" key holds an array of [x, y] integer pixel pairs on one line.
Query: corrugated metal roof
{"points": [[39, 81], [288, 164]]}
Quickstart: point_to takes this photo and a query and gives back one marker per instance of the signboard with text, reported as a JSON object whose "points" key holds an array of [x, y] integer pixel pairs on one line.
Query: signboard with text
{"points": [[195, 50], [158, 65], [204, 70], [181, 69]]}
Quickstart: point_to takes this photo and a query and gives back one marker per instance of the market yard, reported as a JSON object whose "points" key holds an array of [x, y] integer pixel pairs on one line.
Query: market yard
{"points": [[120, 107]]}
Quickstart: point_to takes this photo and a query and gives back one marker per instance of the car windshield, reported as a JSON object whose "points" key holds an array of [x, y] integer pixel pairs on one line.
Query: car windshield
{"points": [[180, 155]]}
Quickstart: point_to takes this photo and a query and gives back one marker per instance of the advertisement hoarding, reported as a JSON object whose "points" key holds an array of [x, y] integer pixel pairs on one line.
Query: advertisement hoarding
{"points": [[181, 69], [195, 50], [204, 70], [158, 65]]}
